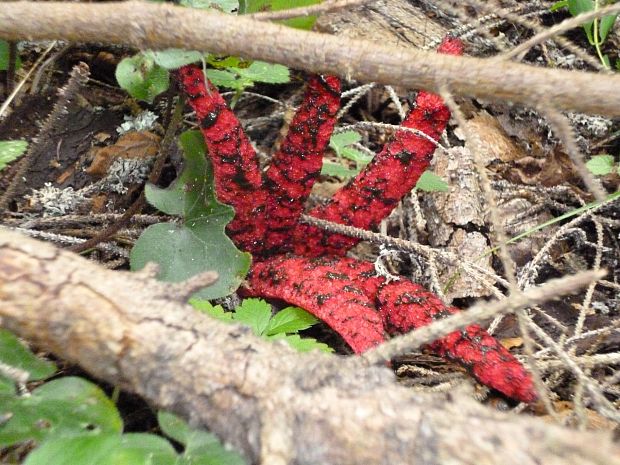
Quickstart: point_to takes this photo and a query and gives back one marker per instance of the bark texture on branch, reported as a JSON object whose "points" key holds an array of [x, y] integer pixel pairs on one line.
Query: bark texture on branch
{"points": [[273, 404], [147, 25]]}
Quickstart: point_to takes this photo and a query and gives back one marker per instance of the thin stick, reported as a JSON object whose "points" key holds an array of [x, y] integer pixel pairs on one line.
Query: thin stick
{"points": [[532, 296], [564, 131], [21, 84], [564, 26], [148, 25], [500, 235]]}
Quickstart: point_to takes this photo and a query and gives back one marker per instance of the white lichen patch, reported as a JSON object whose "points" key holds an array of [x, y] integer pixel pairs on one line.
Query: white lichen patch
{"points": [[55, 201], [143, 122], [125, 171]]}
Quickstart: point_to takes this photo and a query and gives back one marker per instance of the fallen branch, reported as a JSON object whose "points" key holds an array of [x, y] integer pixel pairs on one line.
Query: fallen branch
{"points": [[145, 25], [271, 403]]}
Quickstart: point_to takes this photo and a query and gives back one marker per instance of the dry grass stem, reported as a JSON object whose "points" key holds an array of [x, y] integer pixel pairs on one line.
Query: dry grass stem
{"points": [[564, 26]]}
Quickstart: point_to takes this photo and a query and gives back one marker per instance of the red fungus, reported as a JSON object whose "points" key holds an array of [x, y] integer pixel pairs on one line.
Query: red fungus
{"points": [[345, 293]]}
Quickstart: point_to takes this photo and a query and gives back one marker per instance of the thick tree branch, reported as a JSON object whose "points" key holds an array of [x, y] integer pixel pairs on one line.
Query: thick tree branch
{"points": [[146, 25], [275, 405]]}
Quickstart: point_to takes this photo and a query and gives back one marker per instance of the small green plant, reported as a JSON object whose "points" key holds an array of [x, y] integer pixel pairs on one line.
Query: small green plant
{"points": [[256, 313], [343, 145], [597, 30], [4, 57], [234, 73], [11, 150], [601, 165], [197, 243], [70, 421], [147, 74]]}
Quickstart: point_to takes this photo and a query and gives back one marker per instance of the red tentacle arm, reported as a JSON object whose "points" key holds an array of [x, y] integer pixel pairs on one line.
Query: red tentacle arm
{"points": [[405, 306], [325, 287], [238, 180], [348, 295], [391, 175], [297, 164]]}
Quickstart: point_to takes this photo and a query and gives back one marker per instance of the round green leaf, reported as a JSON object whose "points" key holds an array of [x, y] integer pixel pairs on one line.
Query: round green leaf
{"points": [[199, 243], [64, 407], [201, 447], [107, 449], [141, 77], [11, 150], [600, 165], [183, 251], [7, 386], [82, 450], [174, 58], [15, 354]]}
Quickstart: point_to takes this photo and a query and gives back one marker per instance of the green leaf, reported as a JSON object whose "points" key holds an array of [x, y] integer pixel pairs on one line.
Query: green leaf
{"points": [[91, 450], [221, 62], [222, 78], [201, 448], [183, 251], [576, 7], [215, 311], [259, 71], [254, 313], [7, 386], [361, 158], [64, 407], [607, 24], [339, 141], [305, 344], [170, 201], [174, 58], [227, 6], [600, 165], [141, 449], [11, 150], [15, 354], [254, 6], [340, 144], [290, 320], [337, 169], [606, 62], [559, 5], [4, 57], [141, 77], [199, 243], [430, 182], [109, 449]]}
